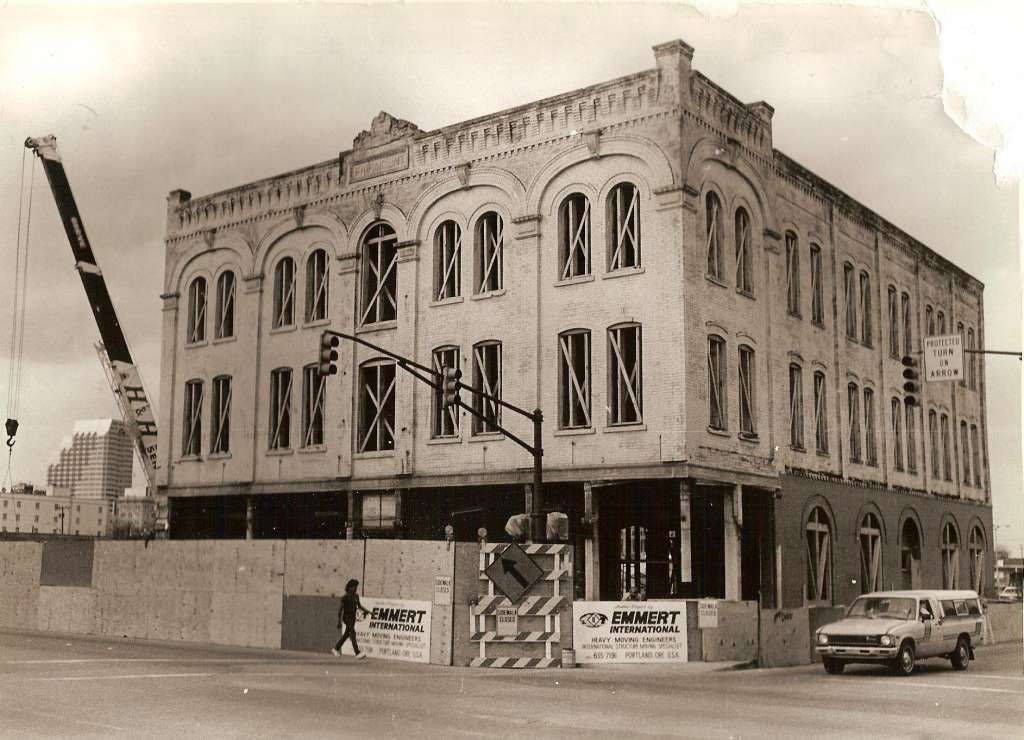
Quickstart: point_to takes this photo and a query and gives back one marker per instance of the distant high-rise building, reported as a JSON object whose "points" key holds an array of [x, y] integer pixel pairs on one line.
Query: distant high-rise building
{"points": [[96, 460]]}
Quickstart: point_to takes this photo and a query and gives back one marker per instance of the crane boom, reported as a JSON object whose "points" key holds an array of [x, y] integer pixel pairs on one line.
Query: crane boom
{"points": [[142, 420]]}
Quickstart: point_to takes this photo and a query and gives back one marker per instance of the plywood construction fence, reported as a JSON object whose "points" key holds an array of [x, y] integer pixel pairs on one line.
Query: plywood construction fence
{"points": [[259, 593]]}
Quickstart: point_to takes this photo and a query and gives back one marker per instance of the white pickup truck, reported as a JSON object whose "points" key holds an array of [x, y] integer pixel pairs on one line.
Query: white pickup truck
{"points": [[898, 628]]}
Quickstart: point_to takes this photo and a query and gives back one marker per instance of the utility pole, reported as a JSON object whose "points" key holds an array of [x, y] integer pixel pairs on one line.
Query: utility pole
{"points": [[436, 380]]}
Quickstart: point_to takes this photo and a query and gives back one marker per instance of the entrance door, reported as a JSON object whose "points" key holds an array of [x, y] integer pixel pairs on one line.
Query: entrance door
{"points": [[639, 543]]}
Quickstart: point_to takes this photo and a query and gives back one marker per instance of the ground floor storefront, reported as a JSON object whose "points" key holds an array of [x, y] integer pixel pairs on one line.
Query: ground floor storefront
{"points": [[794, 541]]}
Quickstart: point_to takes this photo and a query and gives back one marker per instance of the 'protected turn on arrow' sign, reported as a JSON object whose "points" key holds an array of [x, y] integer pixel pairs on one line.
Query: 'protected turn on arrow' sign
{"points": [[513, 572]]}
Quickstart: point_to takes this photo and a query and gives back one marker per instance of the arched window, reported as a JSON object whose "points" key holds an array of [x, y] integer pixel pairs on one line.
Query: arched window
{"points": [[819, 557], [196, 324], [963, 343], [942, 323], [220, 412], [744, 253], [894, 323], [747, 387], [866, 317], [870, 441], [192, 433], [717, 418], [976, 550], [947, 459], [487, 376], [715, 236], [965, 454], [376, 406], [950, 556], [445, 418], [853, 409], [896, 417], [909, 407], [820, 413], [490, 230], [317, 280], [574, 236], [976, 454], [908, 323], [284, 293], [796, 406], [224, 323], [447, 260], [574, 379], [625, 375], [870, 536], [792, 274], [910, 554], [623, 226], [280, 408], [314, 387], [929, 321], [817, 287], [850, 296], [933, 442], [379, 279], [972, 367]]}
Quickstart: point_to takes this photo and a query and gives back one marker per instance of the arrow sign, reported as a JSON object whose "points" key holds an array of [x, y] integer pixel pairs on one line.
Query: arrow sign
{"points": [[509, 566], [513, 572]]}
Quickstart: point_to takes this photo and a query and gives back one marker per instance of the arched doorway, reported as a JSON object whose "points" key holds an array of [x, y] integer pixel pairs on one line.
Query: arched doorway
{"points": [[910, 555]]}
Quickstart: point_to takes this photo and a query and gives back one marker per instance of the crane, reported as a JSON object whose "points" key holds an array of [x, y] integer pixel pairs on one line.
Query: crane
{"points": [[121, 370]]}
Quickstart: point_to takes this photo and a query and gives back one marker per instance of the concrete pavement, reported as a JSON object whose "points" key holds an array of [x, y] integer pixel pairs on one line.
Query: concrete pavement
{"points": [[74, 686]]}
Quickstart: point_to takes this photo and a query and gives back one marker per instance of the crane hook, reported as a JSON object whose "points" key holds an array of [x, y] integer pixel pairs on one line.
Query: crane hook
{"points": [[12, 429]]}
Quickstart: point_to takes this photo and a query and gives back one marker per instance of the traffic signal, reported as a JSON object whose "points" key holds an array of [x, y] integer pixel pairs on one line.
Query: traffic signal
{"points": [[328, 355], [911, 380], [450, 384]]}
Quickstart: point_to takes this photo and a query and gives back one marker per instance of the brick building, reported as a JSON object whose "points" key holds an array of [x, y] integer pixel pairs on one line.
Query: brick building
{"points": [[712, 331]]}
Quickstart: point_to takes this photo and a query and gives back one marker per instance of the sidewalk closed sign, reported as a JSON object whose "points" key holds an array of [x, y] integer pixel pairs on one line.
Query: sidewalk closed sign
{"points": [[943, 358], [629, 631], [707, 614], [397, 629], [508, 621]]}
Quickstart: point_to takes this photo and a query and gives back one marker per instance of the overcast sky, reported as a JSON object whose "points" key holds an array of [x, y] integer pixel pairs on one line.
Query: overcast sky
{"points": [[147, 100]]}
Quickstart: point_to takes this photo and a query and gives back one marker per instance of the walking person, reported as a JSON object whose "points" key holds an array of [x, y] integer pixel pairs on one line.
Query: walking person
{"points": [[347, 618]]}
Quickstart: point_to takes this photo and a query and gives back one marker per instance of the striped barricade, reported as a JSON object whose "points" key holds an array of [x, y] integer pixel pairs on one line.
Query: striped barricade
{"points": [[556, 563]]}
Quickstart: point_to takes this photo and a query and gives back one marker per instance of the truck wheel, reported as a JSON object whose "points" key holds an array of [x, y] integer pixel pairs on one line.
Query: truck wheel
{"points": [[961, 656], [833, 667], [903, 665]]}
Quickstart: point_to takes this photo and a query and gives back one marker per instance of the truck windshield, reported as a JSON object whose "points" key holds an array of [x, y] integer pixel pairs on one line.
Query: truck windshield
{"points": [[880, 607]]}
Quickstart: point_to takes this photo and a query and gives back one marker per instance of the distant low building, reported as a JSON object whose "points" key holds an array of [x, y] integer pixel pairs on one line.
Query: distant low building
{"points": [[133, 516], [32, 513], [1009, 572]]}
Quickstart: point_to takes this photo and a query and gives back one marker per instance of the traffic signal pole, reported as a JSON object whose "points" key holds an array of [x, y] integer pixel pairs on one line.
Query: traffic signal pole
{"points": [[436, 380]]}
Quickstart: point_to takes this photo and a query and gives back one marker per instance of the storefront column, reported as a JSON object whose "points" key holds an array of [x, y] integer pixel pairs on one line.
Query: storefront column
{"points": [[350, 519], [250, 516], [685, 535], [733, 522], [591, 569]]}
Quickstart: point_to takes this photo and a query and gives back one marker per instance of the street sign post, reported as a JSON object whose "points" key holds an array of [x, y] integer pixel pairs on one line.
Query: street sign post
{"points": [[513, 572], [943, 358]]}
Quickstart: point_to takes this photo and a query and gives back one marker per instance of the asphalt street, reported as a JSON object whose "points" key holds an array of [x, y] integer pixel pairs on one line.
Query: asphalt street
{"points": [[78, 686]]}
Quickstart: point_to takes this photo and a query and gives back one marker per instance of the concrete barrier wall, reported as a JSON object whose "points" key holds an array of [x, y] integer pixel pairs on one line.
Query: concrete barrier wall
{"points": [[20, 564], [1006, 621], [784, 637], [735, 638]]}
